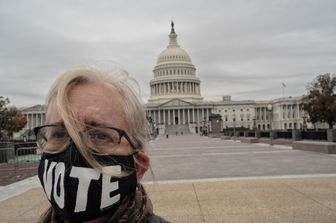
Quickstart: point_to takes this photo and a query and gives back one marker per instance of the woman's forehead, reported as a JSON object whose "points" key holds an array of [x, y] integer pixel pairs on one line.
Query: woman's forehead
{"points": [[94, 102]]}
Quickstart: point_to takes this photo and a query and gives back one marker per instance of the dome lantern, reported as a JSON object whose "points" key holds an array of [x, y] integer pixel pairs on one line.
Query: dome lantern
{"points": [[173, 37]]}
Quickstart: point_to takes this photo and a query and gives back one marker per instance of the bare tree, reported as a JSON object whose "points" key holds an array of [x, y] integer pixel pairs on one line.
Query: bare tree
{"points": [[320, 101]]}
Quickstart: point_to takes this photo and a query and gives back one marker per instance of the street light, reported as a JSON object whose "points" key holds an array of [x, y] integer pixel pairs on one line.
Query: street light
{"points": [[270, 108], [304, 125], [234, 126]]}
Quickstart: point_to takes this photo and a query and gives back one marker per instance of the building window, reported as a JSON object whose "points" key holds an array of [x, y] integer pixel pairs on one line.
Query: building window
{"points": [[241, 109], [233, 110]]}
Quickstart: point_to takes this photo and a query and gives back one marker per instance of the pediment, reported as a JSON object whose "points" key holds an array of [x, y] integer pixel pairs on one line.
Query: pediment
{"points": [[175, 103]]}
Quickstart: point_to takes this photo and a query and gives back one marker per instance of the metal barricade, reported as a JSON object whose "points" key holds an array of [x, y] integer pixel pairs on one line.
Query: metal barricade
{"points": [[27, 158], [7, 155], [23, 158]]}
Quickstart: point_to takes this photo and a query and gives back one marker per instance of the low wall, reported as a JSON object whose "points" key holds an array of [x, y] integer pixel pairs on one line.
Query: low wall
{"points": [[249, 140], [225, 137], [285, 142], [315, 146]]}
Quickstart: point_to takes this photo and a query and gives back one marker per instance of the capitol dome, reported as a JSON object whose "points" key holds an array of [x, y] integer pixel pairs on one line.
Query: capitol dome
{"points": [[173, 54], [174, 75]]}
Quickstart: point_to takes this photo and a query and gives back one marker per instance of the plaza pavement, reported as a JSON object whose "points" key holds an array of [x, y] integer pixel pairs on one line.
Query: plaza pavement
{"points": [[198, 179]]}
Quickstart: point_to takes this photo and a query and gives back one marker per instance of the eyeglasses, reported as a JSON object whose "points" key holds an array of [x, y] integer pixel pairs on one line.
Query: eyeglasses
{"points": [[55, 138]]}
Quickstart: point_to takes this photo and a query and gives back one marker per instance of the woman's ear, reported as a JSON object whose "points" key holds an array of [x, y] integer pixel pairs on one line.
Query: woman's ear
{"points": [[142, 164]]}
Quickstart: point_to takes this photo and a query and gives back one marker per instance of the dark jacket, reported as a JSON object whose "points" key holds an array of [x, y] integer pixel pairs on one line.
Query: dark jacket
{"points": [[156, 219]]}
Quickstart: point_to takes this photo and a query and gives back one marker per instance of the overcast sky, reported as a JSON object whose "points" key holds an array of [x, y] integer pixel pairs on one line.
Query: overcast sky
{"points": [[245, 49]]}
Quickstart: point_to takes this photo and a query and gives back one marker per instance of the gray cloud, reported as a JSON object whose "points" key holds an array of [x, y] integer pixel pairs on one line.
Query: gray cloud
{"points": [[243, 48]]}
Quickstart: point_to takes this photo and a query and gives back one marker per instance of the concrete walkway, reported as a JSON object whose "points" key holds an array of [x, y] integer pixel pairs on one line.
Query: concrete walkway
{"points": [[305, 200], [201, 179]]}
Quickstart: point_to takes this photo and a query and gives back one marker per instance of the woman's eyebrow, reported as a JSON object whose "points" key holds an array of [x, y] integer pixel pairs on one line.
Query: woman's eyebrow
{"points": [[96, 124]]}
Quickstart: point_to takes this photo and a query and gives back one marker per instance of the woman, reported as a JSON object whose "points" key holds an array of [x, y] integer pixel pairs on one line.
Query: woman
{"points": [[94, 150]]}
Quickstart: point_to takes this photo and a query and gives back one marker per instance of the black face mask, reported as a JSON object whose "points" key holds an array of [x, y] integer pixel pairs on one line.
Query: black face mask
{"points": [[80, 193]]}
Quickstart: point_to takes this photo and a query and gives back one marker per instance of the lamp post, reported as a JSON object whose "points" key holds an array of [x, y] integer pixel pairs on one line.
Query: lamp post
{"points": [[270, 108], [234, 126], [304, 125]]}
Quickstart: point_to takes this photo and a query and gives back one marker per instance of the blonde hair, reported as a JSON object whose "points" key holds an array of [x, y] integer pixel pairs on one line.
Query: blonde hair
{"points": [[118, 79]]}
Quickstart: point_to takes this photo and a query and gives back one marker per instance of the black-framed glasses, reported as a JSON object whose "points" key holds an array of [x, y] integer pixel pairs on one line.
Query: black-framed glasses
{"points": [[55, 138]]}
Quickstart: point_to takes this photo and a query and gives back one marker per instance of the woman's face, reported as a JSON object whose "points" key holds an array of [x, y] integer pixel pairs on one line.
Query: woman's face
{"points": [[96, 104]]}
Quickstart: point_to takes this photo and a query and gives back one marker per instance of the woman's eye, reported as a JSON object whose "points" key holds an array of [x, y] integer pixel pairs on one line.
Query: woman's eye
{"points": [[100, 137], [59, 135]]}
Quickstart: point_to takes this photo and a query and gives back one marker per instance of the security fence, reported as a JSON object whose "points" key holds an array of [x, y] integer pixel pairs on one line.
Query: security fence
{"points": [[315, 135], [292, 134], [22, 158]]}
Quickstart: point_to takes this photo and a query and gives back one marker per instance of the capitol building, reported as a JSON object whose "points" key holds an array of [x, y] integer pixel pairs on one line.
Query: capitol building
{"points": [[176, 103]]}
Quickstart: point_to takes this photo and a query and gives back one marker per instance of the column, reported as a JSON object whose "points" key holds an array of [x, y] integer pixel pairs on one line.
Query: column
{"points": [[154, 116], [198, 114], [168, 116], [183, 116], [178, 116], [164, 116], [173, 116], [159, 116], [33, 120], [193, 115], [188, 116], [36, 120]]}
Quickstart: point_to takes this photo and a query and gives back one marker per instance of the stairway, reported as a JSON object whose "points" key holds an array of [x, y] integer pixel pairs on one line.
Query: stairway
{"points": [[179, 129]]}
